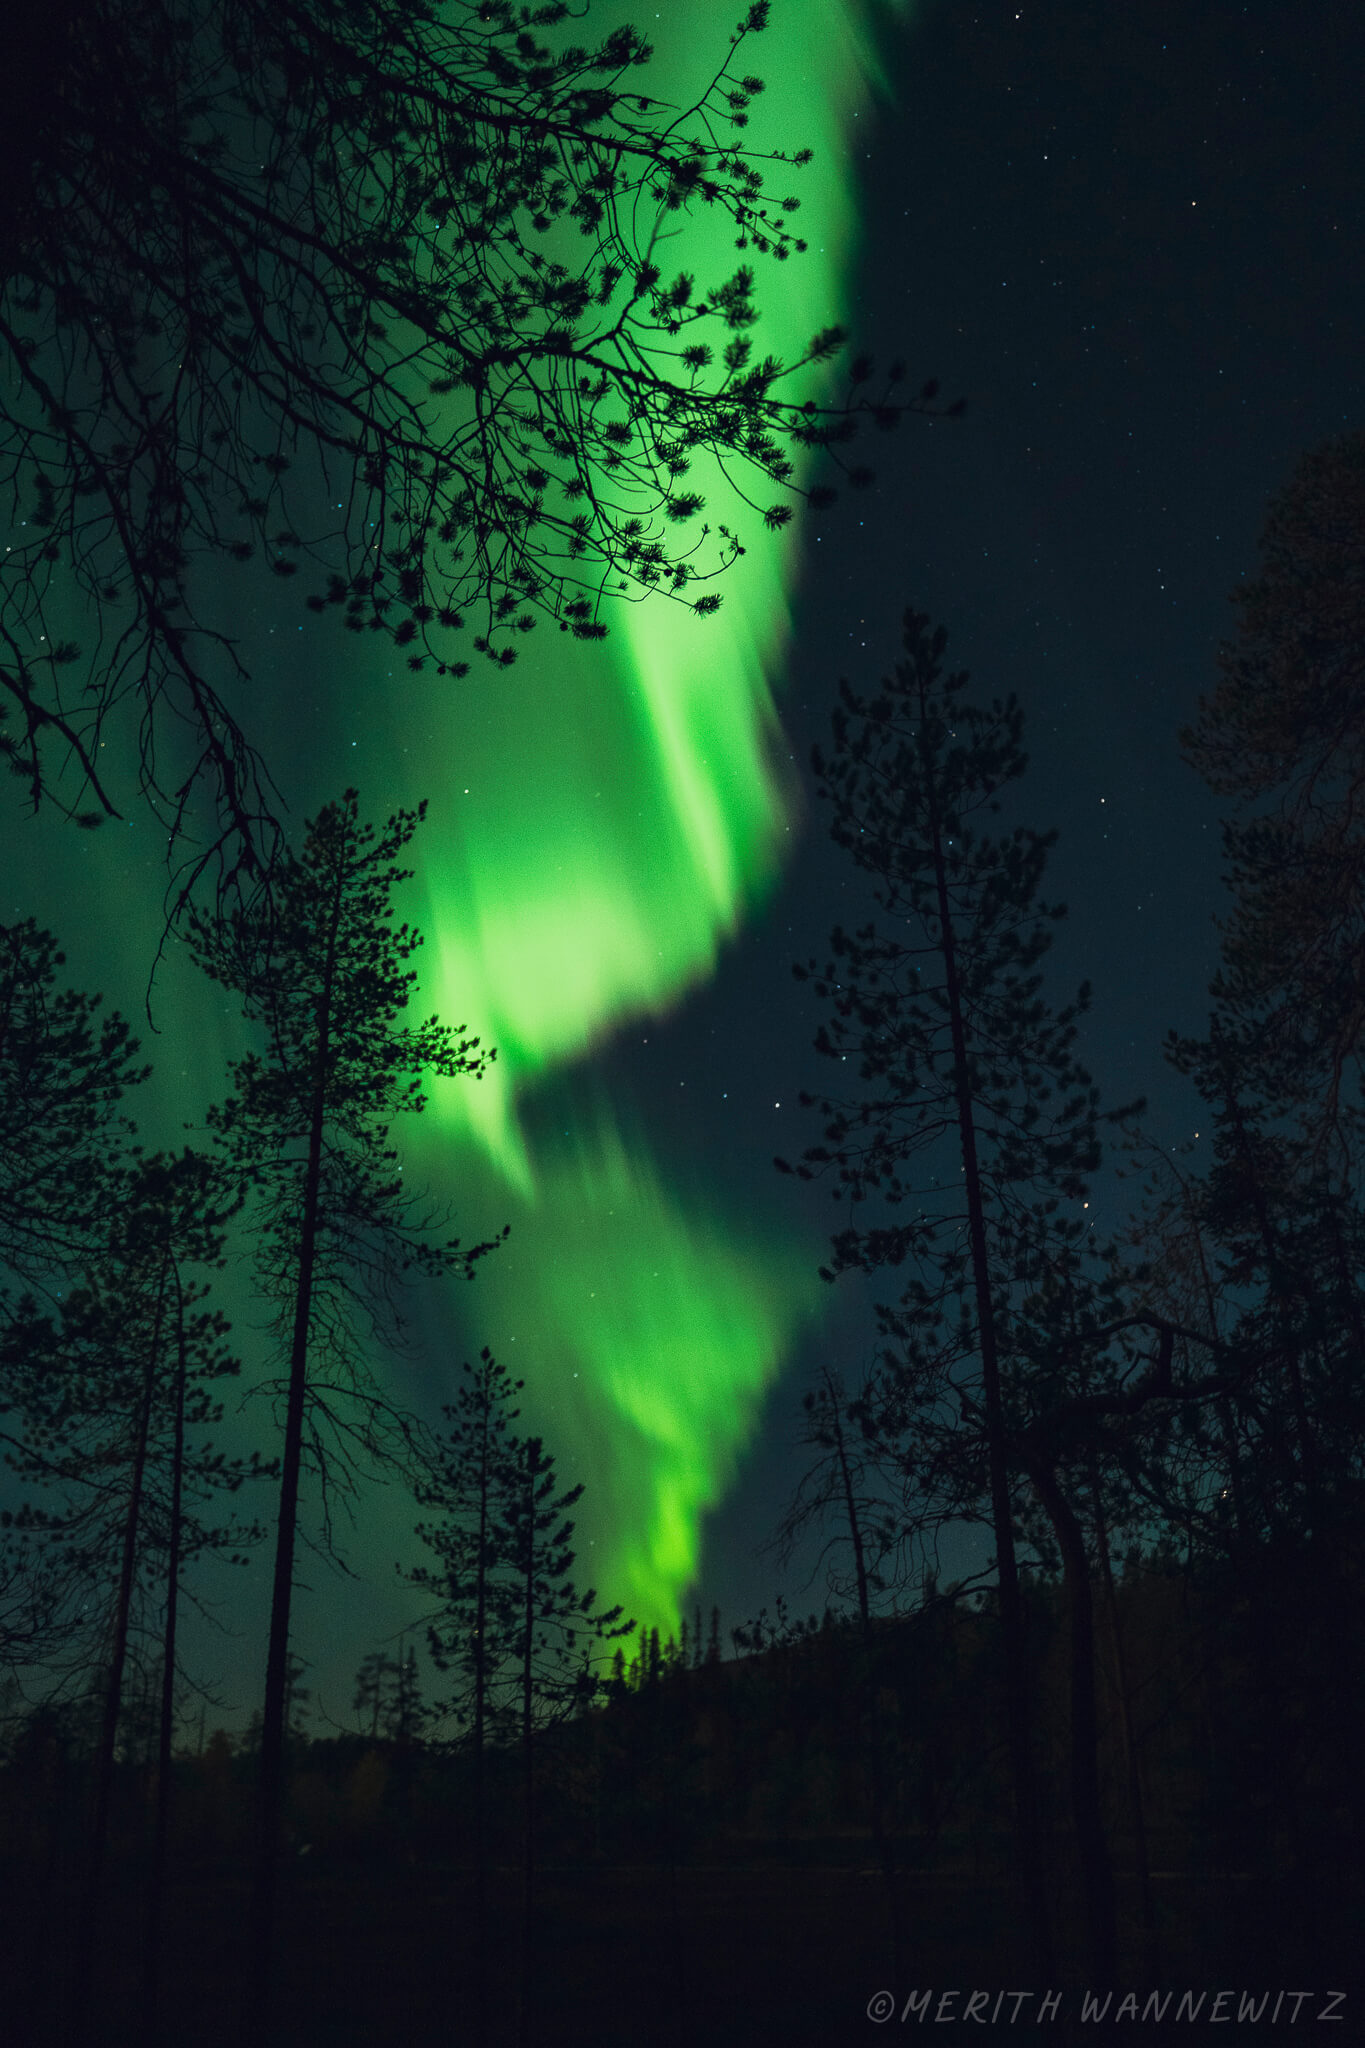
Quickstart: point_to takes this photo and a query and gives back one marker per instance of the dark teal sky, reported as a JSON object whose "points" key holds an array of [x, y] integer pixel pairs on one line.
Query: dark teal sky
{"points": [[1131, 238]]}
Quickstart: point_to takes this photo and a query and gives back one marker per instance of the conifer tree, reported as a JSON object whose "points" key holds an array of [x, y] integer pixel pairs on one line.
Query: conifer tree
{"points": [[64, 1071], [469, 1632], [853, 1481], [554, 1628], [117, 1392], [960, 1108], [1282, 734], [324, 976], [1279, 1216], [370, 1682], [388, 1695], [405, 1712], [510, 1624]]}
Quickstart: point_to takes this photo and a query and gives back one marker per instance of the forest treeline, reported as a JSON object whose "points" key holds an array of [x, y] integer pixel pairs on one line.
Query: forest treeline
{"points": [[1156, 1675], [752, 1756], [761, 1754]]}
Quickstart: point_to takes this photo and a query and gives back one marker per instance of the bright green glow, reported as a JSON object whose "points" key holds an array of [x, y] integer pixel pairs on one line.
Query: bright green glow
{"points": [[648, 1329], [616, 809], [611, 815], [592, 869], [602, 821]]}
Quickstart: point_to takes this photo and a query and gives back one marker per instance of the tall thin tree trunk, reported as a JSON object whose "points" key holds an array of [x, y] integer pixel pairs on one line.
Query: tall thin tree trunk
{"points": [[855, 1531], [1097, 1876], [528, 1814], [87, 1928], [481, 1929], [882, 1840], [271, 1782], [1132, 1764], [156, 1881], [1224, 1408], [1019, 1718], [1277, 1272]]}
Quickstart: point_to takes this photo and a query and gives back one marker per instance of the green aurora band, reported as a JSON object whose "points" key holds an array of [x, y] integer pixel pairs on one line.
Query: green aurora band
{"points": [[603, 819], [616, 811], [647, 1326]]}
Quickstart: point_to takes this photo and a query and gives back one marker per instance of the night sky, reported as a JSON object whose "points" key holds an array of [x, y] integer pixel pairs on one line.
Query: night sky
{"points": [[1129, 237]]}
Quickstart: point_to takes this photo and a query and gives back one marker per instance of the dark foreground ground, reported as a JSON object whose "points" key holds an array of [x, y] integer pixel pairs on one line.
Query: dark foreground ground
{"points": [[636, 1958]]}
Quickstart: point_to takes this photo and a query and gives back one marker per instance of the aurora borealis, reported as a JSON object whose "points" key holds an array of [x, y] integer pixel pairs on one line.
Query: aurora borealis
{"points": [[408, 477], [1059, 214], [603, 819]]}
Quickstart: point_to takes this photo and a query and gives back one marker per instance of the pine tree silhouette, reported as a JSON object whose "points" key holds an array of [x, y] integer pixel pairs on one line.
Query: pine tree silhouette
{"points": [[324, 976]]}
